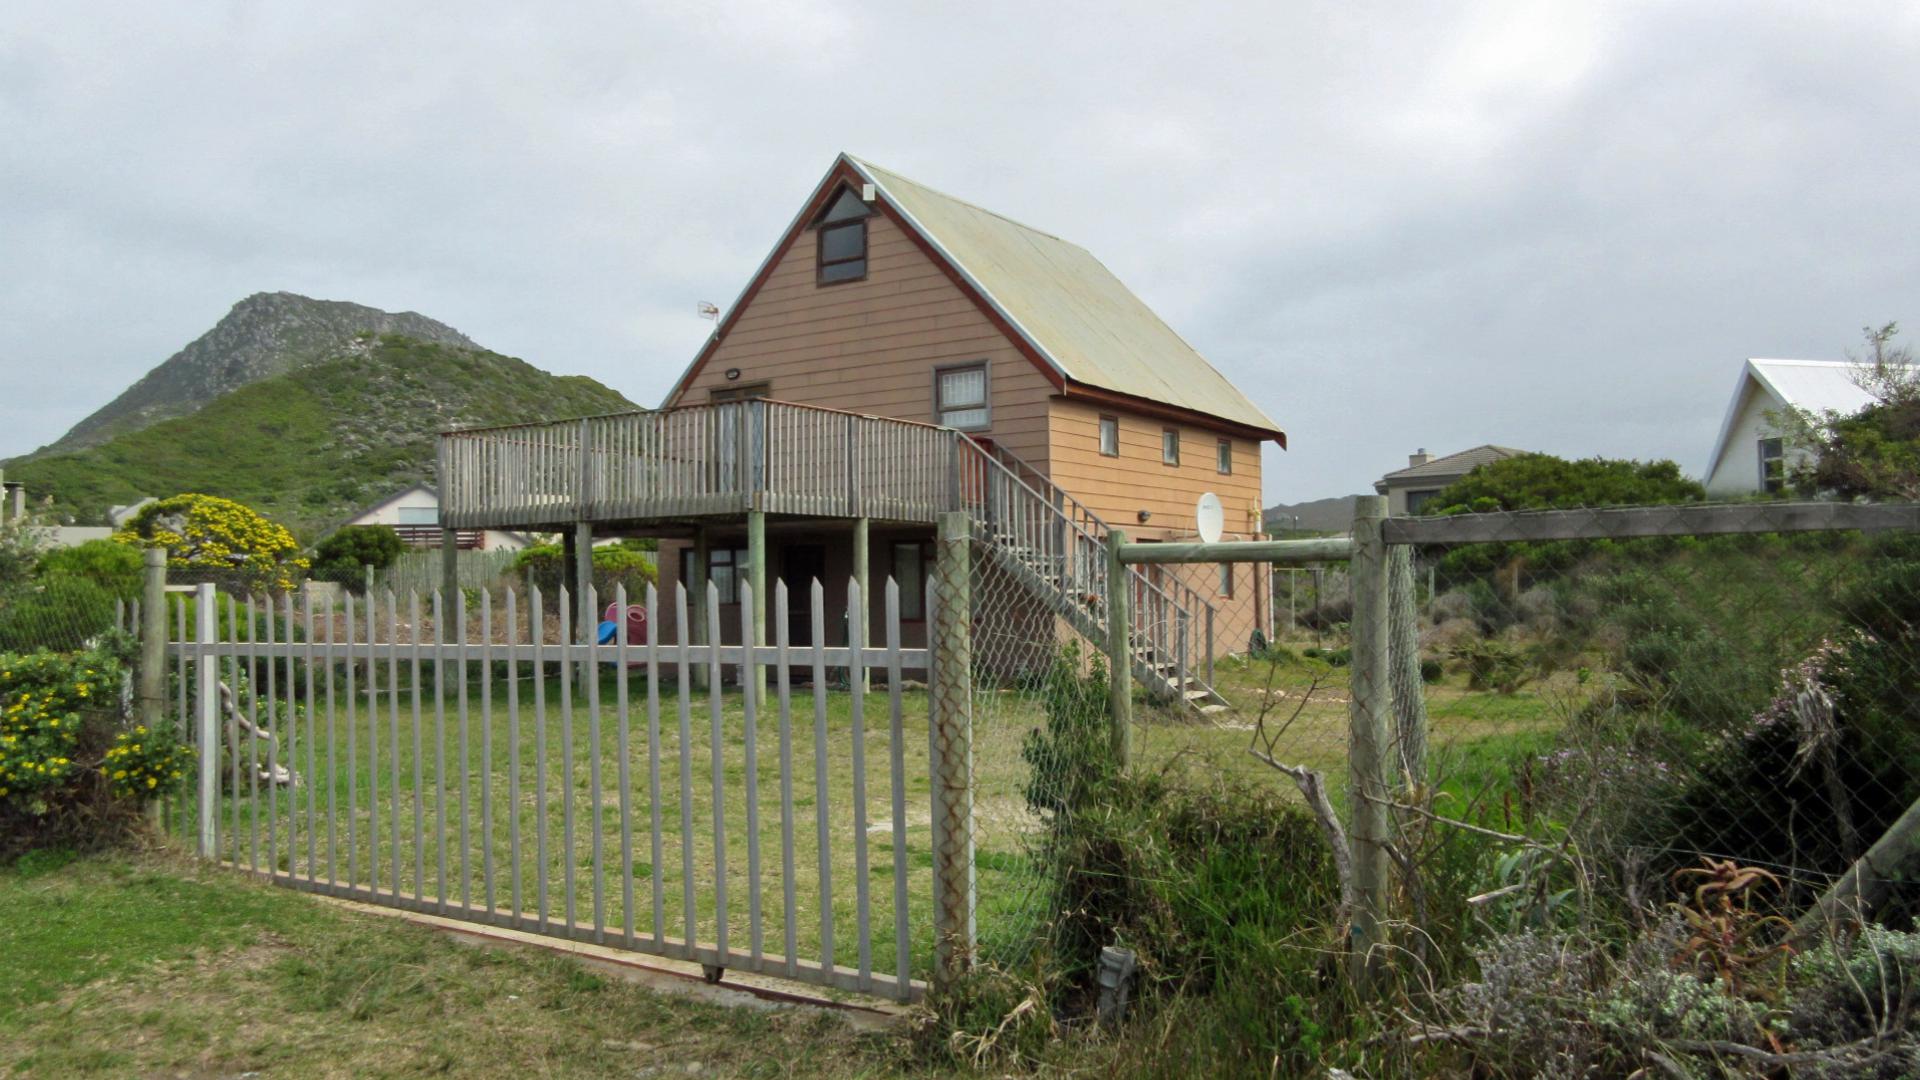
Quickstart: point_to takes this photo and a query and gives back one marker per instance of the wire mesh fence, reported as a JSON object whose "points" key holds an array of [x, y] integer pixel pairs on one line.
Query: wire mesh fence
{"points": [[1648, 688]]}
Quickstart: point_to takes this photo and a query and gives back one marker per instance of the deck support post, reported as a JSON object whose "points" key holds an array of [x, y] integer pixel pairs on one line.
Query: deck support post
{"points": [[862, 572], [1369, 716], [757, 577], [449, 564], [696, 582], [587, 619]]}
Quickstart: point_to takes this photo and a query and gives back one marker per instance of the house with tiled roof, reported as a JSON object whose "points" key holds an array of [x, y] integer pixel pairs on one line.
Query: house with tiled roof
{"points": [[1407, 490]]}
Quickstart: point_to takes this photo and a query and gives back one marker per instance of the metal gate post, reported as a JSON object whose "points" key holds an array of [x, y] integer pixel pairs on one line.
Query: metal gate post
{"points": [[1119, 649], [1368, 715], [952, 728], [206, 676]]}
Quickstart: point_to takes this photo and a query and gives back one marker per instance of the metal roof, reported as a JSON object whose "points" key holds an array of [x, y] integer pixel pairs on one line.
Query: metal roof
{"points": [[1067, 305], [1452, 465], [1819, 386]]}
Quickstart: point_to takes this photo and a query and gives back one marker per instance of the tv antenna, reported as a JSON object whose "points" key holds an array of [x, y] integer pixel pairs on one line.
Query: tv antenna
{"points": [[709, 310]]}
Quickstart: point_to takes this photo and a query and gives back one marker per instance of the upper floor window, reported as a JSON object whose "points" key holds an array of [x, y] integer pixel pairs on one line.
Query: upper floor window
{"points": [[1223, 457], [1169, 446], [1110, 436], [1773, 464], [960, 396], [843, 239]]}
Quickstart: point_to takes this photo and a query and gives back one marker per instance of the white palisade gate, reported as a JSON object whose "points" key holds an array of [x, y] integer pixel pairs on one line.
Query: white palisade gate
{"points": [[463, 756]]}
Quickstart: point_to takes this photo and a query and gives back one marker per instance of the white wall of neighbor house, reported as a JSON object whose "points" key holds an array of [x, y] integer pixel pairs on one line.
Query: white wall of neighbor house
{"points": [[1739, 469], [421, 507]]}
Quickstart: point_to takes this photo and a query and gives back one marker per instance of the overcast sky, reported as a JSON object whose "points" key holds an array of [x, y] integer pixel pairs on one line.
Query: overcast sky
{"points": [[1553, 227]]}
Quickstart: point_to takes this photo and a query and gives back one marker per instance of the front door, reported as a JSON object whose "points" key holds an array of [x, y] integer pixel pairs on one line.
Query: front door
{"points": [[800, 565]]}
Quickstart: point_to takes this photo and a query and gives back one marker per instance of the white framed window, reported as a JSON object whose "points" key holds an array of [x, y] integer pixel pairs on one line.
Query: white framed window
{"points": [[1223, 457], [1773, 464], [419, 515], [1169, 446], [1109, 436], [726, 571], [960, 396]]}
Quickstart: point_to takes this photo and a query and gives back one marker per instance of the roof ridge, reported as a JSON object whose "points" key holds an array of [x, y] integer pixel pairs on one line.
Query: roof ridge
{"points": [[969, 204]]}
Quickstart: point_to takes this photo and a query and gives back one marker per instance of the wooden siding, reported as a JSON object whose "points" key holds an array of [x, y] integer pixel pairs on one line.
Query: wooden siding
{"points": [[872, 345], [1118, 488]]}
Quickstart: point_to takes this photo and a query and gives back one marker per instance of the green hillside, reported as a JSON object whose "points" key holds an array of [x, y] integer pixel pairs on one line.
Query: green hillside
{"points": [[312, 446]]}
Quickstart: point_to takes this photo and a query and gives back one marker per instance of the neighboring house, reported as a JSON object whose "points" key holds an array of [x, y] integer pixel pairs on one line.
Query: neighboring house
{"points": [[885, 299], [13, 507], [414, 513], [1407, 490], [1750, 454]]}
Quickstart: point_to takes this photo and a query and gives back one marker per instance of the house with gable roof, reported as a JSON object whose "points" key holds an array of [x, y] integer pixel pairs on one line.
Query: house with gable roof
{"points": [[900, 352], [1751, 454]]}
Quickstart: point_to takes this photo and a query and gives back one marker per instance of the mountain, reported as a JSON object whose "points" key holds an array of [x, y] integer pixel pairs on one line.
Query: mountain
{"points": [[265, 335], [1320, 515], [319, 442]]}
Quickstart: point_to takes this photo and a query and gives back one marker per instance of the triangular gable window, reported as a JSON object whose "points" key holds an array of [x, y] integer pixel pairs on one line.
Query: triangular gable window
{"points": [[842, 230]]}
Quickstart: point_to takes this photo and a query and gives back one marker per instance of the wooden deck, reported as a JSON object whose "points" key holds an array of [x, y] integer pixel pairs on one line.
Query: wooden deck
{"points": [[699, 461]]}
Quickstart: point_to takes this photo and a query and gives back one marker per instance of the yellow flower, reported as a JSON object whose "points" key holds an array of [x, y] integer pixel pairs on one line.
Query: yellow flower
{"points": [[151, 782]]}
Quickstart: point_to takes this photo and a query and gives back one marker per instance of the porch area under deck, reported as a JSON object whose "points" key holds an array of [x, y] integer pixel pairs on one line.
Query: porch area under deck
{"points": [[746, 492]]}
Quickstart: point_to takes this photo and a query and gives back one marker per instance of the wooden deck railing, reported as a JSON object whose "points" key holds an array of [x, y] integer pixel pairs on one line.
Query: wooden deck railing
{"points": [[700, 460]]}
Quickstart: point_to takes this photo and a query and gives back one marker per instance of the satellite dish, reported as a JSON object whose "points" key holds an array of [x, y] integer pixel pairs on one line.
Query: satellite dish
{"points": [[1211, 516]]}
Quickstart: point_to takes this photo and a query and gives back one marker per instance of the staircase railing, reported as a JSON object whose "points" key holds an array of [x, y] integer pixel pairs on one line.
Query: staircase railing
{"points": [[1063, 542]]}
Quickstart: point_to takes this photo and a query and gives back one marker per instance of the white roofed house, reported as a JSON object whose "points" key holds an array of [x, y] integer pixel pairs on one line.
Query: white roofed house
{"points": [[414, 513], [1752, 453]]}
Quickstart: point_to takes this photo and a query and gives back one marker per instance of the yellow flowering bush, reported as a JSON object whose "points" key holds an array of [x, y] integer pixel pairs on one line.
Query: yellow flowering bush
{"points": [[42, 696], [144, 764], [206, 532], [62, 739]]}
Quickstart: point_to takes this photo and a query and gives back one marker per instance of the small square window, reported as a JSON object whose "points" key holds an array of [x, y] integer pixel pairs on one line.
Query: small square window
{"points": [[1169, 446], [1224, 457], [960, 397], [1110, 436]]}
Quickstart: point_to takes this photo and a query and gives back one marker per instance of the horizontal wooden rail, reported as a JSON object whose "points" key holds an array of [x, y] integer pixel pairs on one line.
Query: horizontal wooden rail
{"points": [[1330, 549], [1643, 521]]}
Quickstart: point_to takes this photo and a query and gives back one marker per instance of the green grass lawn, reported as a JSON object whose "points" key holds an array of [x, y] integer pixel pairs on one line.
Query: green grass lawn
{"points": [[536, 769], [151, 965]]}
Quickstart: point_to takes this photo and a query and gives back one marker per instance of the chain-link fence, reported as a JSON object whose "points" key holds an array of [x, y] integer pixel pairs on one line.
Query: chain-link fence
{"points": [[1650, 688]]}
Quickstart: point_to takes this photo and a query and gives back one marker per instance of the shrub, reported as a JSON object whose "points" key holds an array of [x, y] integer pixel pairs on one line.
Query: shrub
{"points": [[218, 536], [613, 565], [115, 567], [70, 773], [344, 556], [1497, 666]]}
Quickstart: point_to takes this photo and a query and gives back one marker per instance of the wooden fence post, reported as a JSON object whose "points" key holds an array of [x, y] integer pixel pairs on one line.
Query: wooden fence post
{"points": [[153, 640], [206, 676], [1119, 649], [1409, 761], [1368, 714], [952, 739]]}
